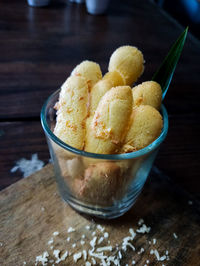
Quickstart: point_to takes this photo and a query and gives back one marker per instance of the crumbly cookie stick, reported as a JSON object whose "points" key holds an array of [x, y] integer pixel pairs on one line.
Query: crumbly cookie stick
{"points": [[145, 127], [129, 62], [110, 79], [90, 71], [72, 112], [148, 93], [106, 131]]}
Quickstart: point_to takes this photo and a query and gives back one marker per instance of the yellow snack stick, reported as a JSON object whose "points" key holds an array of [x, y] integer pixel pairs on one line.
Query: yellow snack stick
{"points": [[129, 62], [97, 92], [146, 126], [90, 71], [108, 126], [111, 79], [148, 93], [72, 112], [115, 78], [101, 184]]}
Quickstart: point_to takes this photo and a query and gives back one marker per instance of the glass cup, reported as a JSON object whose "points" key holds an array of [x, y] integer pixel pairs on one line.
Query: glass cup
{"points": [[102, 185]]}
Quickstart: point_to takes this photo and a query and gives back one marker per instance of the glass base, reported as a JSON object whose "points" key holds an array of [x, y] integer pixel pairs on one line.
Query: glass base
{"points": [[116, 210]]}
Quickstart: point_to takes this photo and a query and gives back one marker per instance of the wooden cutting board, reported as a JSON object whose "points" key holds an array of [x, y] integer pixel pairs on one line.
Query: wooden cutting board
{"points": [[31, 211]]}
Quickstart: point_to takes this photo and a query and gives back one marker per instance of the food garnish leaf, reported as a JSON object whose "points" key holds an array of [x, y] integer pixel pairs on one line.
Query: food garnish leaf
{"points": [[166, 70]]}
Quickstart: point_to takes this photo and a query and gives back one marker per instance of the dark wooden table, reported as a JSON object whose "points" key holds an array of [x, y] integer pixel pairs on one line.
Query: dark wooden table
{"points": [[40, 46]]}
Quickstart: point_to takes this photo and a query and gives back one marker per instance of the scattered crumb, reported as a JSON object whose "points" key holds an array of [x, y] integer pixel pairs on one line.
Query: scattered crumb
{"points": [[120, 255], [93, 261], [140, 222], [101, 239], [64, 256], [87, 227], [28, 167], [108, 248], [126, 243], [50, 241], [106, 235], [158, 257], [42, 258], [82, 242], [56, 253], [84, 255], [101, 255], [77, 256], [1, 244], [99, 227], [143, 229], [93, 242], [131, 231], [70, 229], [141, 251], [42, 209]]}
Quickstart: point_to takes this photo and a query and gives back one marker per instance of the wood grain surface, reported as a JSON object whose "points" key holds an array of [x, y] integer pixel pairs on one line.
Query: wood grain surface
{"points": [[31, 211]]}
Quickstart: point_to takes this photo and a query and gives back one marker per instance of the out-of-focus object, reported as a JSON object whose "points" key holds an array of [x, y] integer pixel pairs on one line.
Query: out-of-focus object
{"points": [[77, 1], [97, 7], [187, 12], [38, 3], [192, 9]]}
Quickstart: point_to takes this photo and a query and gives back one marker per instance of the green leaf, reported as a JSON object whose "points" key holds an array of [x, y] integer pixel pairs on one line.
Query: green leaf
{"points": [[166, 70]]}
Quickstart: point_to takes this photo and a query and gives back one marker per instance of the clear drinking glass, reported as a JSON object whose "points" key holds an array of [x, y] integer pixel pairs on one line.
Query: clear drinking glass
{"points": [[101, 185]]}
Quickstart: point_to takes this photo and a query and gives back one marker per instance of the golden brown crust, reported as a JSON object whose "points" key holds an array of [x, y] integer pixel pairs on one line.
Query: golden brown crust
{"points": [[129, 62], [115, 78], [72, 112], [90, 71], [148, 93], [97, 92], [106, 130], [146, 126]]}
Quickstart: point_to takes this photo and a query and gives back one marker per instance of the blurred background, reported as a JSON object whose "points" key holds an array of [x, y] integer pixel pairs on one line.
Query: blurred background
{"points": [[186, 12]]}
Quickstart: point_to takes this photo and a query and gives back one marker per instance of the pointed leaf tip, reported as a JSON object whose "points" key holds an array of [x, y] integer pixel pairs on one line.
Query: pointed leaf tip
{"points": [[166, 70]]}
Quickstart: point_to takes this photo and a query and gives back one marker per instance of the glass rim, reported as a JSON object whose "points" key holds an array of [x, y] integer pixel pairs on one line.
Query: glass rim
{"points": [[123, 156]]}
